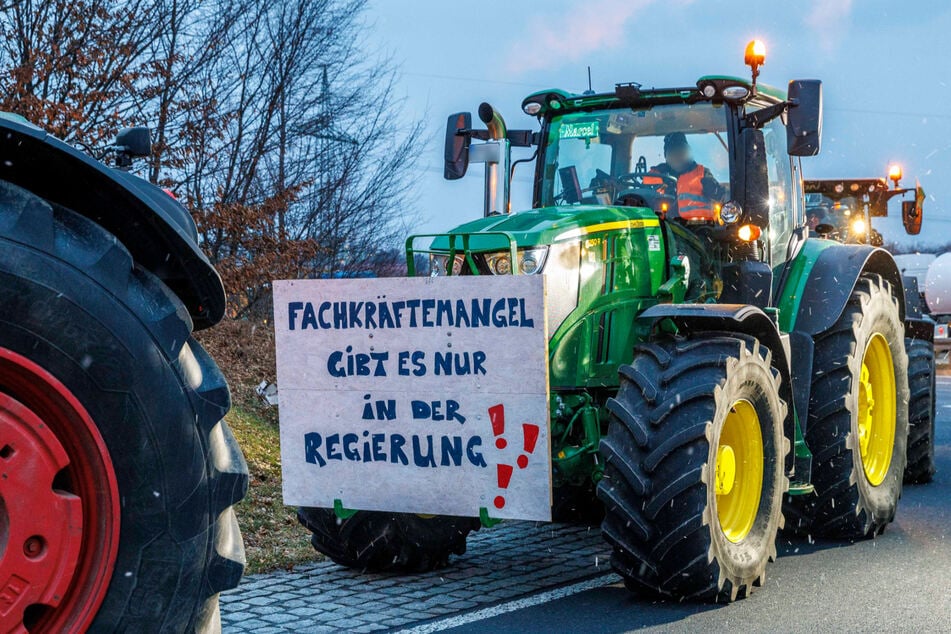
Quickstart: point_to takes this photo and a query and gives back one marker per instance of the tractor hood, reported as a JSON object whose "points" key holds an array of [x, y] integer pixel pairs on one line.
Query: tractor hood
{"points": [[547, 225], [157, 230]]}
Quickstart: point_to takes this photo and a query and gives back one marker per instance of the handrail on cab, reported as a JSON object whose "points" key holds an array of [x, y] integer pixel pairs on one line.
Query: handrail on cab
{"points": [[453, 243]]}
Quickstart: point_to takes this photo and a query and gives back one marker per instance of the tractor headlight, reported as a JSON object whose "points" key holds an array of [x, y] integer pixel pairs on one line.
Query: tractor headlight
{"points": [[858, 227], [730, 212], [499, 263], [439, 265], [530, 261], [735, 93]]}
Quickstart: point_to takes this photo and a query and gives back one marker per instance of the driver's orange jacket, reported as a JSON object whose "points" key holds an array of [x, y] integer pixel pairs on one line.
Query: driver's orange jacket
{"points": [[691, 203]]}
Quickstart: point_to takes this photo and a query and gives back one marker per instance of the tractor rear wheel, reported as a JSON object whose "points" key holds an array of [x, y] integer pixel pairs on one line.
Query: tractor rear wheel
{"points": [[375, 541], [858, 425], [693, 467], [118, 474], [921, 410]]}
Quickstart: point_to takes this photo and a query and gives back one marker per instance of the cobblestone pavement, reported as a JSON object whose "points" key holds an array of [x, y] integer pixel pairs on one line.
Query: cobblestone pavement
{"points": [[506, 562]]}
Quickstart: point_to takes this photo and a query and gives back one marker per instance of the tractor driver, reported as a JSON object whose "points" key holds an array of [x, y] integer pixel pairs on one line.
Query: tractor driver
{"points": [[817, 215], [697, 189]]}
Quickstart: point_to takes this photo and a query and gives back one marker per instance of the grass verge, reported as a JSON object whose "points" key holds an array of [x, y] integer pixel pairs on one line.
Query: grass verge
{"points": [[273, 538]]}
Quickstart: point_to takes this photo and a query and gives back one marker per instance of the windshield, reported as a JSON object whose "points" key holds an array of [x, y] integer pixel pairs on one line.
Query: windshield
{"points": [[821, 209], [596, 157]]}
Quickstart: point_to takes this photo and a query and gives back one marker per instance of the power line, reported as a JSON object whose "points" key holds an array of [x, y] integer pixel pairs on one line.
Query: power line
{"points": [[892, 113], [473, 79]]}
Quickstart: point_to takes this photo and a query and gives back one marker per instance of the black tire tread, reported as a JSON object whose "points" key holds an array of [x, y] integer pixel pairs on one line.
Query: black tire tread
{"points": [[652, 490], [920, 468], [63, 237], [375, 541], [836, 509]]}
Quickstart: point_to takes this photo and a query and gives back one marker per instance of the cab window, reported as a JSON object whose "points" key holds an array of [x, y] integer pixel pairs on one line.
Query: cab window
{"points": [[782, 206]]}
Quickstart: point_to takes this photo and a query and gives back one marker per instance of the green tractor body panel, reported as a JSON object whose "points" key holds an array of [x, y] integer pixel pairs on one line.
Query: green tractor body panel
{"points": [[800, 267]]}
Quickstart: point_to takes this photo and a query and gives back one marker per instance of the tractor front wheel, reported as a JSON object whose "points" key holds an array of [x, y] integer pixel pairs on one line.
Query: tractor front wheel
{"points": [[693, 457], [375, 541]]}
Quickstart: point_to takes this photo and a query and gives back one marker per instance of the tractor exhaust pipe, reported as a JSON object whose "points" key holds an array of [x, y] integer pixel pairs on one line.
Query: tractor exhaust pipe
{"points": [[497, 172]]}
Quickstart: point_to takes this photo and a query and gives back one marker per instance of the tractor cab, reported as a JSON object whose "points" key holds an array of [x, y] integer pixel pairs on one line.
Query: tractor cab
{"points": [[712, 166]]}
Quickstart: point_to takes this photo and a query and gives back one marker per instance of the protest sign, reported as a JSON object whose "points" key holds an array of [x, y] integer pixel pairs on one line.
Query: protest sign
{"points": [[421, 395]]}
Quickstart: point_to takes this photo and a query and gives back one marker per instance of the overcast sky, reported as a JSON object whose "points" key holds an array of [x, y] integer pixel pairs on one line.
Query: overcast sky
{"points": [[885, 66]]}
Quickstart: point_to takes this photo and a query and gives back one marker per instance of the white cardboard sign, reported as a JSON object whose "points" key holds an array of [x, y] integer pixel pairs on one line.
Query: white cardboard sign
{"points": [[419, 395]]}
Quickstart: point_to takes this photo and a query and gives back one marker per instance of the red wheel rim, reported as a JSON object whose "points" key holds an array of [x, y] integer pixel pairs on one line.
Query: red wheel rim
{"points": [[59, 504]]}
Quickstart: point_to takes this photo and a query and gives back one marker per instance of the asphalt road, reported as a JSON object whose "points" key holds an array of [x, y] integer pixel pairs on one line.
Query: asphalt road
{"points": [[898, 582]]}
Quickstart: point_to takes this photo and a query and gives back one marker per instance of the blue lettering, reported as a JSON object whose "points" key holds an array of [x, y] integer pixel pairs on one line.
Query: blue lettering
{"points": [[312, 455], [349, 440], [451, 451], [292, 309], [397, 455], [333, 443], [324, 307], [420, 459], [473, 454]]}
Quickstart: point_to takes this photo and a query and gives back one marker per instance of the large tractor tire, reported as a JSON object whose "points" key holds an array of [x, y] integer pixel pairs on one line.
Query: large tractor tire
{"points": [[921, 410], [693, 480], [118, 474], [375, 541], [858, 423]]}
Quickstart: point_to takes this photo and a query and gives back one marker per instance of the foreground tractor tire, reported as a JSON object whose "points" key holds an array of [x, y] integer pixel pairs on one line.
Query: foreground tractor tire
{"points": [[118, 474], [858, 422], [693, 478], [375, 541], [921, 410]]}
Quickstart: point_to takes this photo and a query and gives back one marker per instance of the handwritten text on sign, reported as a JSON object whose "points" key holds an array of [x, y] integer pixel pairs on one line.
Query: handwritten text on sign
{"points": [[420, 395]]}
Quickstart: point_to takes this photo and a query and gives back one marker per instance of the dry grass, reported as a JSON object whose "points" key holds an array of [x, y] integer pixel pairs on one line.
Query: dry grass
{"points": [[273, 538]]}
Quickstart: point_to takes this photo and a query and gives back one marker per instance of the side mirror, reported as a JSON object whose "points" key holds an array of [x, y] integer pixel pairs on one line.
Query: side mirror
{"points": [[135, 142], [911, 216], [824, 229], [457, 146], [752, 179], [804, 119]]}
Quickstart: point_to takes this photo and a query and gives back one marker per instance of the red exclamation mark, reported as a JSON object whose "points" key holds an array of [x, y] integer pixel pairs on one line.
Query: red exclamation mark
{"points": [[505, 476], [497, 417], [530, 434]]}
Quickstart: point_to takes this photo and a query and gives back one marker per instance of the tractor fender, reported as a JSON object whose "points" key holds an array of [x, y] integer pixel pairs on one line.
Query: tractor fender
{"points": [[158, 231], [734, 318], [917, 324], [833, 278], [920, 329]]}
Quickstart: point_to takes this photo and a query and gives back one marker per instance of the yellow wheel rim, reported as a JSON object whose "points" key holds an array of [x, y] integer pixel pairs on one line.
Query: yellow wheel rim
{"points": [[738, 475], [877, 409]]}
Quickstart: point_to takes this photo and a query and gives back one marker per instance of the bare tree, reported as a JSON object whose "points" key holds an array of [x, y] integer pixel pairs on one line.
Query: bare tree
{"points": [[273, 122]]}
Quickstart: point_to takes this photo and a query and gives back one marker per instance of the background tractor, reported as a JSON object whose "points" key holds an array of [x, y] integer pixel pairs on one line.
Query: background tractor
{"points": [[842, 209], [118, 472], [713, 367]]}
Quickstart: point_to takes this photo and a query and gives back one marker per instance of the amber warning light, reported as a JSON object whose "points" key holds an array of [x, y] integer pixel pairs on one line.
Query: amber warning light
{"points": [[894, 173]]}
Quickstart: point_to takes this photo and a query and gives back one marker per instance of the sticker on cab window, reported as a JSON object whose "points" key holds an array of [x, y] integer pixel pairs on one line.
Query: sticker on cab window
{"points": [[579, 129]]}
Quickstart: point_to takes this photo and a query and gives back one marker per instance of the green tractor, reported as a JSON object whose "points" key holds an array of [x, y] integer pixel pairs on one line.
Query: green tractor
{"points": [[715, 371]]}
